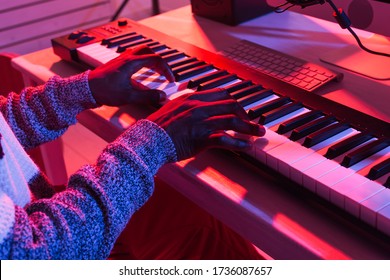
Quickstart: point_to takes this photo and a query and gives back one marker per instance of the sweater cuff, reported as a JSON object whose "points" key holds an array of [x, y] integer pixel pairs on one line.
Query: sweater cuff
{"points": [[75, 92], [151, 143]]}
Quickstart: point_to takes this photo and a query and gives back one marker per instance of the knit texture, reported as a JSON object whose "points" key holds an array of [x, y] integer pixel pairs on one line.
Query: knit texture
{"points": [[83, 221]]}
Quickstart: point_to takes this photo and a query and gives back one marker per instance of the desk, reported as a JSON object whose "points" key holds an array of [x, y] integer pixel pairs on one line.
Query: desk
{"points": [[281, 220]]}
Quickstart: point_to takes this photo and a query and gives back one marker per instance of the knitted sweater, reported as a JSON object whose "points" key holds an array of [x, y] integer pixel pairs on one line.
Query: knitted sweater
{"points": [[84, 220]]}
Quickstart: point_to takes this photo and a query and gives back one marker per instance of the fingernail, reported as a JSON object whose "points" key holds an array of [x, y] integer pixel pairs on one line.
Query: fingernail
{"points": [[261, 130], [163, 96]]}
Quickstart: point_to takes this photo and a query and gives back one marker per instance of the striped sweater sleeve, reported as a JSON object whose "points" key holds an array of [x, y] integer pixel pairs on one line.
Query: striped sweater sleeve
{"points": [[43, 113], [84, 220]]}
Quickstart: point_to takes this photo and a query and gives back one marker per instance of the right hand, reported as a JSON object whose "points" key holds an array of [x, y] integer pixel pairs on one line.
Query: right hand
{"points": [[198, 121], [111, 83]]}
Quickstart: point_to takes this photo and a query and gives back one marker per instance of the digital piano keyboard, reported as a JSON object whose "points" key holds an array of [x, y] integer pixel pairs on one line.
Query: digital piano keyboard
{"points": [[337, 153]]}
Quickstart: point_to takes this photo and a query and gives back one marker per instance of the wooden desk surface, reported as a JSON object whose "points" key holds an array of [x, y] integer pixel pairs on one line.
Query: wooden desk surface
{"points": [[276, 215]]}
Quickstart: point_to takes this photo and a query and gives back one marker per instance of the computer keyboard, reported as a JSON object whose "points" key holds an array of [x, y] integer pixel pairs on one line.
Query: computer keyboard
{"points": [[289, 69]]}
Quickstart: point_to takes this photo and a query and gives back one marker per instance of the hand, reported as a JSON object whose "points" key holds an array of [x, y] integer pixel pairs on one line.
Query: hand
{"points": [[111, 83], [199, 120]]}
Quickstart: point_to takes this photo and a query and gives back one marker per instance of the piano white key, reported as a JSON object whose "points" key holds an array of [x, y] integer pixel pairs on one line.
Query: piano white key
{"points": [[321, 169], [301, 166], [283, 156], [370, 207], [325, 183], [356, 196], [383, 220], [269, 141], [92, 54], [338, 191], [286, 154]]}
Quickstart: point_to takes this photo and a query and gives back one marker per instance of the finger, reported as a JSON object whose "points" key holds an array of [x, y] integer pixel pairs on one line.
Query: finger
{"points": [[226, 141], [232, 122], [142, 50], [211, 95], [221, 107], [152, 61], [149, 96]]}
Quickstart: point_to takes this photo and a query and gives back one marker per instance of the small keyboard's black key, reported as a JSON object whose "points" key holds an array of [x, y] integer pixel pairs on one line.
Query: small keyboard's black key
{"points": [[217, 82], [238, 86], [258, 110], [158, 47], [253, 97], [347, 144], [379, 170], [193, 72], [280, 112], [206, 77], [167, 52], [175, 64], [323, 134], [365, 151], [246, 91], [107, 40], [173, 56], [187, 66], [298, 121], [124, 40], [387, 183], [123, 47], [310, 127]]}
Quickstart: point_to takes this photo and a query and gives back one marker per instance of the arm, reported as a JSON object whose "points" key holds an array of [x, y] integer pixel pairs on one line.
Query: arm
{"points": [[83, 221], [43, 113]]}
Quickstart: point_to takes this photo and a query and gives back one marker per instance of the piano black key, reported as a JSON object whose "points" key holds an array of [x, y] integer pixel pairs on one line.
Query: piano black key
{"points": [[258, 110], [238, 86], [310, 127], [214, 83], [347, 144], [255, 96], [123, 47], [175, 64], [193, 72], [279, 112], [387, 183], [206, 77], [365, 151], [173, 56], [168, 52], [107, 40], [187, 66], [323, 134], [379, 170], [124, 40], [246, 91], [158, 47], [298, 121]]}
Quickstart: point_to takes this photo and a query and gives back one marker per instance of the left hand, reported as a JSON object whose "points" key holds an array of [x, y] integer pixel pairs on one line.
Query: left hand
{"points": [[111, 83]]}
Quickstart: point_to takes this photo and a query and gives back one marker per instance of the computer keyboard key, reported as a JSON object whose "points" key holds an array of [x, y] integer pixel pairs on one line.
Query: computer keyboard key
{"points": [[288, 69]]}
